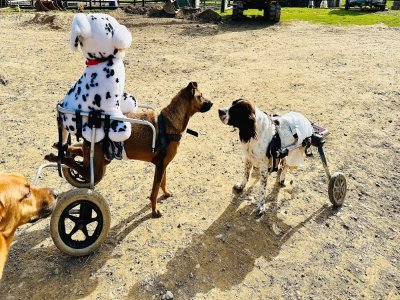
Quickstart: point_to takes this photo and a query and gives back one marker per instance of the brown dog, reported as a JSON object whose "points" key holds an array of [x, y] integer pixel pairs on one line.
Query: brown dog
{"points": [[176, 116], [20, 203]]}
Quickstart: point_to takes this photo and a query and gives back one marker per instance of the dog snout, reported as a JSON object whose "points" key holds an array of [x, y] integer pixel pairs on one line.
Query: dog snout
{"points": [[223, 115], [221, 112], [206, 106], [55, 193]]}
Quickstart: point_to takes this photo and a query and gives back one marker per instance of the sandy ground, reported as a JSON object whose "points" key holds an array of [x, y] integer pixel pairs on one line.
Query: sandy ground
{"points": [[208, 243]]}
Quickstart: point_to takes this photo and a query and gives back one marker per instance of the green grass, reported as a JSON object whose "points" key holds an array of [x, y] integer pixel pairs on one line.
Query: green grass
{"points": [[338, 16]]}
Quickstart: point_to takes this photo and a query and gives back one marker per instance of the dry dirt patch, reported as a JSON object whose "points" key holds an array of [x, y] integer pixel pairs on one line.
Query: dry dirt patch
{"points": [[208, 245]]}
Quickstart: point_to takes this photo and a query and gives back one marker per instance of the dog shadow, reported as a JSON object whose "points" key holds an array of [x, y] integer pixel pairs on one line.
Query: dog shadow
{"points": [[226, 252], [68, 277]]}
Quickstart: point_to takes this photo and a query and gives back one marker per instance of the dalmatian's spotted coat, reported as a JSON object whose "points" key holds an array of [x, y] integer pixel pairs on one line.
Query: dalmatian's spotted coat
{"points": [[101, 87]]}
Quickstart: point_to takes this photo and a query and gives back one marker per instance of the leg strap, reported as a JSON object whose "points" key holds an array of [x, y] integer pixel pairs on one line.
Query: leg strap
{"points": [[78, 121], [62, 149]]}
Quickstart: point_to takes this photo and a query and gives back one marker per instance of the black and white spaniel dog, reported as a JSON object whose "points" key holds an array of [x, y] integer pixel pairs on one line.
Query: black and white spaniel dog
{"points": [[256, 132]]}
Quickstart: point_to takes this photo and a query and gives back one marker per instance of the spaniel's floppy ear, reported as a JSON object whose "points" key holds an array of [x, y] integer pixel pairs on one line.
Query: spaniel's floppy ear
{"points": [[80, 29], [192, 86], [122, 37]]}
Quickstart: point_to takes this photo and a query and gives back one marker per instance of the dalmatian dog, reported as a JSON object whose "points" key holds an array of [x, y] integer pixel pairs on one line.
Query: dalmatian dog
{"points": [[101, 87]]}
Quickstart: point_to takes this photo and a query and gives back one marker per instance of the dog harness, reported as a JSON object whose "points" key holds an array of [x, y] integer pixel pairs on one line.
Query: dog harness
{"points": [[274, 152], [164, 139], [111, 149], [274, 149]]}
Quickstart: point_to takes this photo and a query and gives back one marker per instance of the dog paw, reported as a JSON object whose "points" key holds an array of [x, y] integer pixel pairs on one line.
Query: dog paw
{"points": [[167, 194], [156, 214], [255, 173], [51, 157], [238, 186], [260, 209]]}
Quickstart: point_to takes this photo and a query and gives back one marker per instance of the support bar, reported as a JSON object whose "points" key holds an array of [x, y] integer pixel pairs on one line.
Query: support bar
{"points": [[122, 119]]}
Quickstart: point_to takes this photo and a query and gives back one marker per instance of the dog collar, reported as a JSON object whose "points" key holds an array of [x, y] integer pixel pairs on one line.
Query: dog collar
{"points": [[93, 62]]}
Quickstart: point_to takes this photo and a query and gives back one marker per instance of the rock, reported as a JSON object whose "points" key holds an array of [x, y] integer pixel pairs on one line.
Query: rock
{"points": [[168, 296], [3, 81], [345, 226]]}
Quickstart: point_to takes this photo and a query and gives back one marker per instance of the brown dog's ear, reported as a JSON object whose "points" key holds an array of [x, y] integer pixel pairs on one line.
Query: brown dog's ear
{"points": [[192, 86]]}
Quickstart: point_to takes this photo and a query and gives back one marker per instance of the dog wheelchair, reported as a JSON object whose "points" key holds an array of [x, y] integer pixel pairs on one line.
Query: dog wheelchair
{"points": [[337, 186], [81, 219]]}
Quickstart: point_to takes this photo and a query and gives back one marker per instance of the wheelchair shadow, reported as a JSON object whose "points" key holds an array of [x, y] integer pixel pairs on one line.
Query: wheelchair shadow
{"points": [[37, 272], [226, 252], [221, 257]]}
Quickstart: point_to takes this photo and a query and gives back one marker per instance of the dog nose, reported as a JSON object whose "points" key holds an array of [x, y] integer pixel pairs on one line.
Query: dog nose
{"points": [[55, 193], [206, 106], [221, 112]]}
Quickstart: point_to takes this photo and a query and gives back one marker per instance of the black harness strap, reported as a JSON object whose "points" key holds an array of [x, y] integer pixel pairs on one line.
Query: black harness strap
{"points": [[94, 119], [62, 149], [106, 125], [192, 132], [60, 155], [164, 139], [78, 121], [106, 141], [273, 152]]}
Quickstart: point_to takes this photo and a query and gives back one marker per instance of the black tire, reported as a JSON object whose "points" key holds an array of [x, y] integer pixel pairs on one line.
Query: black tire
{"points": [[337, 189], [267, 12], [75, 231], [235, 13], [74, 178]]}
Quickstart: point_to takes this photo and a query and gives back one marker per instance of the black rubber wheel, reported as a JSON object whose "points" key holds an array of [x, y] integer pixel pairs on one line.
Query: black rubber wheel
{"points": [[235, 13], [80, 222], [267, 12], [337, 189], [74, 178]]}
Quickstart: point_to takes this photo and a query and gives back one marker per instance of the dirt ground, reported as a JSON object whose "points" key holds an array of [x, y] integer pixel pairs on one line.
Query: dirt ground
{"points": [[208, 243]]}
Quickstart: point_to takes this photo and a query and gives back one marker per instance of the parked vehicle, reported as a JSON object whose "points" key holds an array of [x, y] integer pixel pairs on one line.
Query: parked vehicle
{"points": [[380, 4], [272, 9]]}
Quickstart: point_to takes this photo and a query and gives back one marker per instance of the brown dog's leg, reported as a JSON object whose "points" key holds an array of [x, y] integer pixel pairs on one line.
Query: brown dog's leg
{"points": [[160, 176], [156, 213], [163, 183]]}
